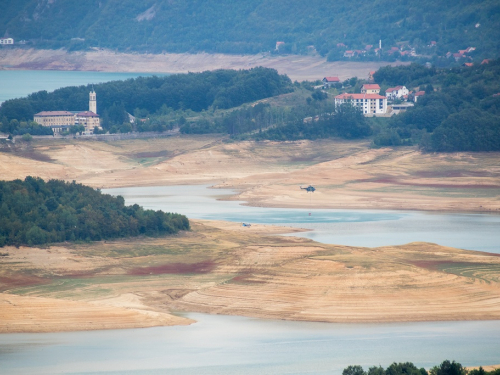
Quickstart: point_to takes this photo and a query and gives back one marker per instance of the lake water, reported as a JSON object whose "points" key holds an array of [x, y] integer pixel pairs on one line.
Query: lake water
{"points": [[238, 345], [344, 227], [20, 83]]}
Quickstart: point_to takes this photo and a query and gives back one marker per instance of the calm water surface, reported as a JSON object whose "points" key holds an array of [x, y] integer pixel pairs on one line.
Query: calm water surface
{"points": [[236, 345], [19, 83], [343, 227]]}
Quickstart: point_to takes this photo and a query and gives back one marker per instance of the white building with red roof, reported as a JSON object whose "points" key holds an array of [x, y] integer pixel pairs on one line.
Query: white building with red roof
{"points": [[418, 95], [397, 92], [366, 103], [370, 88], [61, 121], [329, 81]]}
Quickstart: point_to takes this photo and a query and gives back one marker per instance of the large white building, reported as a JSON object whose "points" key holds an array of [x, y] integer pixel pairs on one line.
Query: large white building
{"points": [[397, 92], [6, 41], [366, 103], [60, 121]]}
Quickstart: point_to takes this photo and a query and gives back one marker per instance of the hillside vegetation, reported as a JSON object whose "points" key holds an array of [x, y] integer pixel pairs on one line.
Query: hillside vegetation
{"points": [[142, 96], [459, 112], [35, 212], [255, 25]]}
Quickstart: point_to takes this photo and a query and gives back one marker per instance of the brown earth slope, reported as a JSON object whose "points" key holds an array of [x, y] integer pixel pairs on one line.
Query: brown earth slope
{"points": [[346, 174], [225, 268], [299, 68]]}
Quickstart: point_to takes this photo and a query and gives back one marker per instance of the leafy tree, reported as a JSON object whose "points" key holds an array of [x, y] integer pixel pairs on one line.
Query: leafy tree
{"points": [[353, 370], [374, 370], [348, 122], [448, 368], [406, 368]]}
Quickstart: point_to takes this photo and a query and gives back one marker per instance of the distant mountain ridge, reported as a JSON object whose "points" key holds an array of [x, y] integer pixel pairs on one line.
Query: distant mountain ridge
{"points": [[328, 27]]}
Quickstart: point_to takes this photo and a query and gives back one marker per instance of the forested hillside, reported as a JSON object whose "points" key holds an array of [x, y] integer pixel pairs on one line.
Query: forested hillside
{"points": [[35, 212], [256, 25], [152, 95], [459, 112]]}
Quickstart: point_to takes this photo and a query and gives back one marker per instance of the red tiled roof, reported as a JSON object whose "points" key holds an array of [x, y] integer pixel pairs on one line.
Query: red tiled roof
{"points": [[391, 89], [360, 96], [87, 114], [332, 79], [371, 86], [54, 113], [420, 93]]}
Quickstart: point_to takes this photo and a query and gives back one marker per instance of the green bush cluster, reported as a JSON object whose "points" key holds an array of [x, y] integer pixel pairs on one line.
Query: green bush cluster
{"points": [[36, 212], [407, 368]]}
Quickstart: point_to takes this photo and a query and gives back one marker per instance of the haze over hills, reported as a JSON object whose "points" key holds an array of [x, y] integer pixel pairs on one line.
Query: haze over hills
{"points": [[257, 25]]}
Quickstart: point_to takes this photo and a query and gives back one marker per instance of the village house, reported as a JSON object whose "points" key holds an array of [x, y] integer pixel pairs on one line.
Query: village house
{"points": [[370, 88], [61, 121], [398, 92], [330, 81], [6, 41], [418, 95], [366, 103]]}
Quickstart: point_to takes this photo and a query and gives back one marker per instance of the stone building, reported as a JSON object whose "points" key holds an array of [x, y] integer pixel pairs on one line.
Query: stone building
{"points": [[61, 121]]}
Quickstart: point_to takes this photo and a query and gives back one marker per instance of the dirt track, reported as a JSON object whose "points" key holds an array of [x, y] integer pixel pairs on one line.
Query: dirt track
{"points": [[299, 68]]}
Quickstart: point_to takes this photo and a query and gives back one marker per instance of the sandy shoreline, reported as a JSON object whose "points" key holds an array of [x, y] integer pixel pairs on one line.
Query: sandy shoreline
{"points": [[299, 68]]}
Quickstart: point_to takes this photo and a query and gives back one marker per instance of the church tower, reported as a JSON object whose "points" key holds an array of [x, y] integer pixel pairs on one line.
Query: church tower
{"points": [[92, 102]]}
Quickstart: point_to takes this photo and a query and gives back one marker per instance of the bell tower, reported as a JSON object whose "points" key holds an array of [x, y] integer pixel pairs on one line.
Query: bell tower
{"points": [[92, 102]]}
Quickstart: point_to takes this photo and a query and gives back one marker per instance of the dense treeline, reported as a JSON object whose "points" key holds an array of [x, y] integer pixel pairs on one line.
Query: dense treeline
{"points": [[153, 95], [459, 112], [345, 122], [407, 368], [255, 25], [35, 212], [310, 116]]}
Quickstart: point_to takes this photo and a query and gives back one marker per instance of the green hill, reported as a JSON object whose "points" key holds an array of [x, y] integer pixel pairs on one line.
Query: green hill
{"points": [[256, 25], [35, 212]]}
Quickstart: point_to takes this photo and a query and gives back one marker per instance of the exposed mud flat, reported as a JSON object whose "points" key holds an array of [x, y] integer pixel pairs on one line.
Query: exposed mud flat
{"points": [[268, 174], [296, 67], [233, 270]]}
